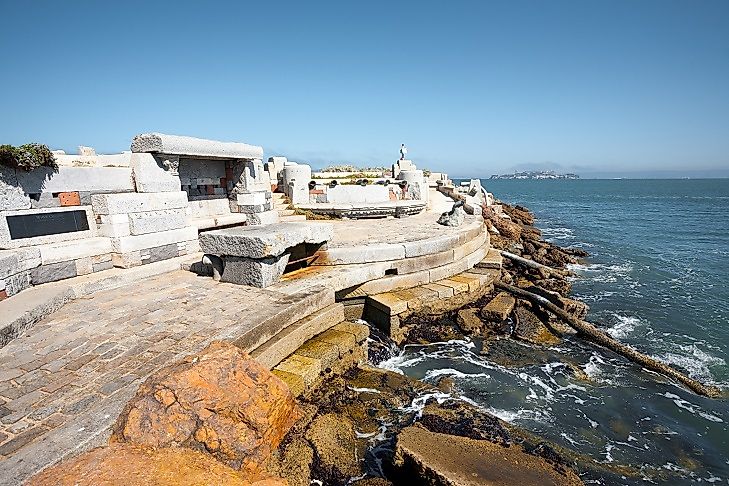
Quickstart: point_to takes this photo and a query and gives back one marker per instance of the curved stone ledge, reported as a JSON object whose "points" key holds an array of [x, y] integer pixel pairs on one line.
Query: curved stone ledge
{"points": [[447, 246], [180, 145], [366, 210]]}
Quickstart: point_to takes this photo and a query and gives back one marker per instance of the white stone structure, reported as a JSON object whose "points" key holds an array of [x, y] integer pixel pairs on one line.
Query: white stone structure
{"points": [[400, 165], [257, 256], [274, 167], [296, 178], [127, 209]]}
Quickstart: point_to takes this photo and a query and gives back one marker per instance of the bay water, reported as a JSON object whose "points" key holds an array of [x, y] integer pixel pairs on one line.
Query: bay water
{"points": [[657, 278]]}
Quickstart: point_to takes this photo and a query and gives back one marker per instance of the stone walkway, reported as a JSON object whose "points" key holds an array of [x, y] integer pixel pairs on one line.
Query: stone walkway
{"points": [[63, 383]]}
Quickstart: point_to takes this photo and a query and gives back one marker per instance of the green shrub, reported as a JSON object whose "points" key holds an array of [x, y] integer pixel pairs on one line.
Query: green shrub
{"points": [[27, 157]]}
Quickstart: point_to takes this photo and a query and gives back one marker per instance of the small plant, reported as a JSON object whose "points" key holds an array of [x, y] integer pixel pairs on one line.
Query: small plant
{"points": [[27, 157]]}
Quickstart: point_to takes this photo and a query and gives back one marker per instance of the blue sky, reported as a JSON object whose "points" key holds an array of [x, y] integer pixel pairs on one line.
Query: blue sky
{"points": [[473, 88]]}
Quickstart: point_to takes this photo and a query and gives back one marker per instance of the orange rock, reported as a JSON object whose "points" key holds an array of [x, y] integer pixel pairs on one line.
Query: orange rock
{"points": [[219, 400], [126, 464]]}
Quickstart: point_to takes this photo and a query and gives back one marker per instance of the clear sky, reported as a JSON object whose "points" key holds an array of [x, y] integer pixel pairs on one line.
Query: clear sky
{"points": [[614, 88]]}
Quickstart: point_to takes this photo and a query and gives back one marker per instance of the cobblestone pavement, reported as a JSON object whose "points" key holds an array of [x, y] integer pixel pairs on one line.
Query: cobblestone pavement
{"points": [[63, 383]]}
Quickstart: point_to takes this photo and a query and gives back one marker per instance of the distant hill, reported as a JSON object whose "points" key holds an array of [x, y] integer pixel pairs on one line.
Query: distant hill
{"points": [[537, 174]]}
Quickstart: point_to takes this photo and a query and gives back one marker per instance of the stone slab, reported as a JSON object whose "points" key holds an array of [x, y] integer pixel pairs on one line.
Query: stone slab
{"points": [[424, 262], [396, 282], [360, 331], [154, 221], [12, 196], [471, 245], [76, 179], [443, 291], [361, 254], [388, 302], [126, 244], [28, 307], [53, 272], [256, 272], [253, 198], [181, 145], [326, 353], [263, 242], [307, 368], [137, 202], [6, 242], [458, 287], [454, 460], [150, 175], [448, 270], [493, 259], [432, 245], [473, 282], [263, 218], [73, 250], [292, 308]]}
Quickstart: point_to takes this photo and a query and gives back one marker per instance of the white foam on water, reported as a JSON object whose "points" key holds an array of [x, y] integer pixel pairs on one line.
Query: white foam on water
{"points": [[624, 326], [592, 367], [418, 403], [694, 360], [363, 435], [453, 372], [608, 457], [569, 439], [694, 409], [557, 233], [400, 361], [511, 416]]}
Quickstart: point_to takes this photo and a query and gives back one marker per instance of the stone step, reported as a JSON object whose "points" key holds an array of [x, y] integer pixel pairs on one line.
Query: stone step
{"points": [[333, 351], [271, 320], [286, 212], [291, 338], [398, 302], [493, 260]]}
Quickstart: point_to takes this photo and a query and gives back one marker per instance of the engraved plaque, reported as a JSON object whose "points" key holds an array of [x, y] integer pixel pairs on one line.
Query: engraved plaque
{"points": [[44, 224]]}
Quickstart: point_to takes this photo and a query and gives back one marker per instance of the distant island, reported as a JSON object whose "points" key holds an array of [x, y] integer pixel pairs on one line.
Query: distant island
{"points": [[537, 174]]}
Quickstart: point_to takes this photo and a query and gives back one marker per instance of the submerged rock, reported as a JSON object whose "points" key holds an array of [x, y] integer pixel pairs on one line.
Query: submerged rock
{"points": [[560, 286], [332, 437], [469, 321], [127, 464], [499, 308], [531, 329], [219, 400], [456, 418], [440, 459]]}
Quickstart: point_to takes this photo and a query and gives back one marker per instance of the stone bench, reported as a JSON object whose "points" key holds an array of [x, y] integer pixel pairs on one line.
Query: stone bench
{"points": [[258, 255]]}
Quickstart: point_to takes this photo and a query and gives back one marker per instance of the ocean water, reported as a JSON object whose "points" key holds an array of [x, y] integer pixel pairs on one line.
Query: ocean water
{"points": [[658, 279]]}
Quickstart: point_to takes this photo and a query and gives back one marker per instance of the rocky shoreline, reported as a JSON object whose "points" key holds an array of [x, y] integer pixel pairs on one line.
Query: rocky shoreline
{"points": [[376, 427]]}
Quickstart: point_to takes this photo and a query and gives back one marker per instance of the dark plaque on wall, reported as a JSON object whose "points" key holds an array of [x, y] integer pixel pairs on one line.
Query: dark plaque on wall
{"points": [[44, 224]]}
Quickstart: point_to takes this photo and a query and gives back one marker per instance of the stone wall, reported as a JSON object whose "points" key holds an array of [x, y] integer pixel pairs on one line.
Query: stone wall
{"points": [[145, 227]]}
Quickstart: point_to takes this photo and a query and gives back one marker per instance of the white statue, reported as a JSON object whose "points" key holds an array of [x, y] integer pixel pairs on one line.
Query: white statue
{"points": [[403, 151]]}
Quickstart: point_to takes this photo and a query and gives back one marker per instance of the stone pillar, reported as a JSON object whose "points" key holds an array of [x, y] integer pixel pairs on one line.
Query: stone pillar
{"points": [[417, 186], [296, 180]]}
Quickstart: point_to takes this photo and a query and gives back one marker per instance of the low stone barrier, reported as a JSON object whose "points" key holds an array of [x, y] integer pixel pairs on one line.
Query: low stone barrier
{"points": [[258, 256]]}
